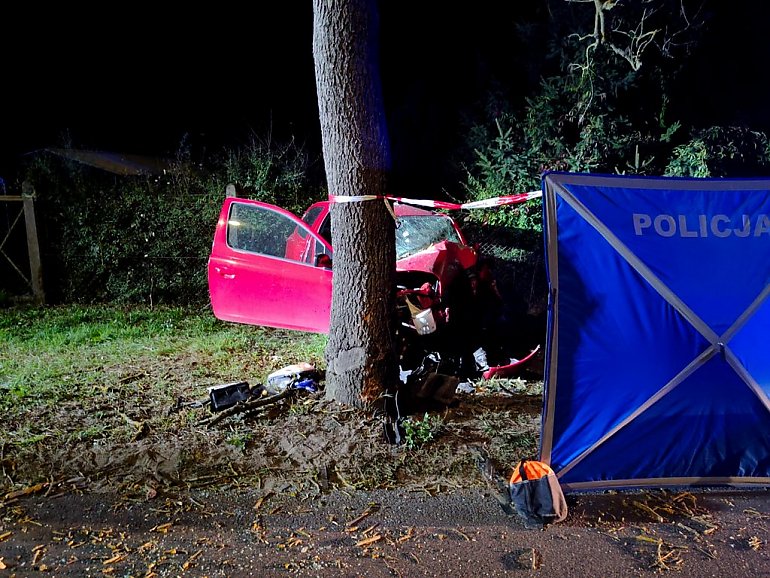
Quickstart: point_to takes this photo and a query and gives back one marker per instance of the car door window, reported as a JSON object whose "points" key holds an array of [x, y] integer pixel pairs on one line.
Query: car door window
{"points": [[309, 218], [259, 229], [325, 230]]}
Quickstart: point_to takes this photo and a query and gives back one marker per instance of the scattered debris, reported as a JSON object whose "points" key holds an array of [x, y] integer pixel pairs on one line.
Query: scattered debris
{"points": [[368, 541], [465, 387], [37, 553], [408, 535], [248, 406], [26, 491], [293, 375], [228, 394], [512, 367], [527, 559], [238, 397], [261, 500], [497, 483], [114, 559], [162, 528], [753, 512], [352, 526], [669, 557], [666, 506], [187, 564]]}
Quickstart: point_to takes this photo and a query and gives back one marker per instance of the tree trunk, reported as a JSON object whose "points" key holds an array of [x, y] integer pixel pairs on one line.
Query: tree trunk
{"points": [[360, 354]]}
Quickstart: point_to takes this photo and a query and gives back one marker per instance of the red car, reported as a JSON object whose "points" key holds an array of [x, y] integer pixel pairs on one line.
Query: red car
{"points": [[267, 267]]}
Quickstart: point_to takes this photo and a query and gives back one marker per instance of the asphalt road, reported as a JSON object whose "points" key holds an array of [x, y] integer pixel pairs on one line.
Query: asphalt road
{"points": [[247, 532]]}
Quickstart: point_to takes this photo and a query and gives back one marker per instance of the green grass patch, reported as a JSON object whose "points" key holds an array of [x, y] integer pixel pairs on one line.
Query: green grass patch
{"points": [[53, 355]]}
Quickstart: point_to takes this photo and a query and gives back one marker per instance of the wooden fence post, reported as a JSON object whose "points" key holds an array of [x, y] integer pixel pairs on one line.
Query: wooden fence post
{"points": [[33, 247]]}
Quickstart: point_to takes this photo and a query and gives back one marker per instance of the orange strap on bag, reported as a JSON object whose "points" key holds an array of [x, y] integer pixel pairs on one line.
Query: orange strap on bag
{"points": [[536, 494]]}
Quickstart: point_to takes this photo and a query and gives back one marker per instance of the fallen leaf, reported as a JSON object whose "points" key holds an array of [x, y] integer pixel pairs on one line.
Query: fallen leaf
{"points": [[2, 564], [648, 539], [368, 541], [26, 491], [5, 535], [260, 501], [146, 546], [409, 535], [115, 558], [369, 511], [370, 529], [189, 562], [162, 528], [39, 551]]}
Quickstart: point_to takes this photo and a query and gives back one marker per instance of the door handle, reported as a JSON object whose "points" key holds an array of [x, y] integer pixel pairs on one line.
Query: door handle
{"points": [[224, 272]]}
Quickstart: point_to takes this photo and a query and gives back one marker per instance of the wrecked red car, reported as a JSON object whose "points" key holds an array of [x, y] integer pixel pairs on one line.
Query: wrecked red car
{"points": [[268, 267]]}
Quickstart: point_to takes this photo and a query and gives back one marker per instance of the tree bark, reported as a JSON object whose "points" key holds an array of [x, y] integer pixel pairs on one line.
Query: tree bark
{"points": [[360, 354]]}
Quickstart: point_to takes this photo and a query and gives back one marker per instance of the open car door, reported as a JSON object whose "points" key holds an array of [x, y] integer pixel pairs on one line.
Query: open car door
{"points": [[268, 268]]}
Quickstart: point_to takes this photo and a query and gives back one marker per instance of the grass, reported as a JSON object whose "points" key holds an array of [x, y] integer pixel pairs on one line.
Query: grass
{"points": [[105, 393], [47, 353], [131, 359]]}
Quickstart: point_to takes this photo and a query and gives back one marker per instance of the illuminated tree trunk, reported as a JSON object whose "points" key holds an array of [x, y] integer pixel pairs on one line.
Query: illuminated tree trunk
{"points": [[360, 354]]}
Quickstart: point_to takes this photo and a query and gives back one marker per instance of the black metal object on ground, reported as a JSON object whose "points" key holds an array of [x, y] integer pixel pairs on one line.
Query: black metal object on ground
{"points": [[228, 394]]}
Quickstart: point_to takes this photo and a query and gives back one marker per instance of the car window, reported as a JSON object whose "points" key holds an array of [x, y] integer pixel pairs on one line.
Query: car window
{"points": [[309, 218], [258, 230], [325, 230], [415, 234]]}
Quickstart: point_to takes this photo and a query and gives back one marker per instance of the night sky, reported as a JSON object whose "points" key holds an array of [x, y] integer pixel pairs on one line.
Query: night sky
{"points": [[138, 81]]}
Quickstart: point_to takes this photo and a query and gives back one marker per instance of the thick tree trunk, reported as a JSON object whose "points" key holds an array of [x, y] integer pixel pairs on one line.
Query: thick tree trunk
{"points": [[360, 354]]}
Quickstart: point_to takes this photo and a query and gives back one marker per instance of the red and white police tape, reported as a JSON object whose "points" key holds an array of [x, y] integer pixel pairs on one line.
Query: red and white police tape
{"points": [[483, 204]]}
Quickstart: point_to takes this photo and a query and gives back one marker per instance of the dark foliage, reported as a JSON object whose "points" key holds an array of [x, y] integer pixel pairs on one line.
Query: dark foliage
{"points": [[146, 239]]}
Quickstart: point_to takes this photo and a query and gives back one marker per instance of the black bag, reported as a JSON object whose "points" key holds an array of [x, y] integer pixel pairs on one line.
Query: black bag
{"points": [[536, 494]]}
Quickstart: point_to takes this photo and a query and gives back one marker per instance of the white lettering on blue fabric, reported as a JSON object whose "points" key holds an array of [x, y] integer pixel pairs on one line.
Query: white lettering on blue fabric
{"points": [[690, 226]]}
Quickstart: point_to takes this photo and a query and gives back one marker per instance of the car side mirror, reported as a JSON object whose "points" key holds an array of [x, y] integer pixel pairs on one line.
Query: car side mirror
{"points": [[323, 260]]}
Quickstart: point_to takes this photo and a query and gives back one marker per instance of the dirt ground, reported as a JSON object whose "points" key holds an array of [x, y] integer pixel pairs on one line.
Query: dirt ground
{"points": [[306, 442], [244, 531], [306, 487]]}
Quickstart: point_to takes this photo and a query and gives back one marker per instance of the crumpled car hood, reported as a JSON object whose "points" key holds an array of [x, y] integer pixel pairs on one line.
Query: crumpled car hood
{"points": [[445, 260]]}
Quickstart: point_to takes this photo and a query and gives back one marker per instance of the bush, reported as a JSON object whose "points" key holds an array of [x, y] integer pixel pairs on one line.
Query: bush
{"points": [[146, 239], [722, 152]]}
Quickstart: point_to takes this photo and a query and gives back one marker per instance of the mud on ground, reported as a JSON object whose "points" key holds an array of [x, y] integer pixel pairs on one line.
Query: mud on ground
{"points": [[133, 480], [125, 437]]}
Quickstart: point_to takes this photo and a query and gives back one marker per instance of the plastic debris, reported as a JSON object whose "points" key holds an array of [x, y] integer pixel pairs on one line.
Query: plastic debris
{"points": [[465, 387], [291, 375], [228, 394]]}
